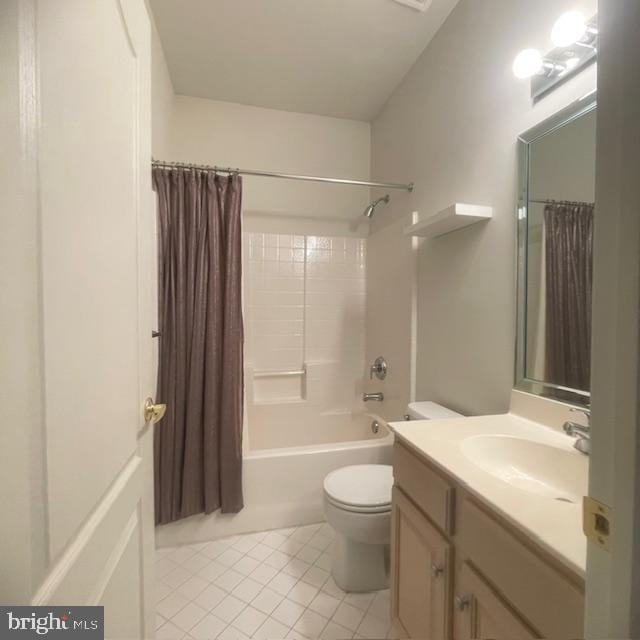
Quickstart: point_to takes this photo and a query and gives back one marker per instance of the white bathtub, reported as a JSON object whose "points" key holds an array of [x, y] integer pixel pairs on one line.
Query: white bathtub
{"points": [[283, 487]]}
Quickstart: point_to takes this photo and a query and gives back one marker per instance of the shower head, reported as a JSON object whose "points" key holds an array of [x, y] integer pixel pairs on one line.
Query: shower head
{"points": [[368, 212]]}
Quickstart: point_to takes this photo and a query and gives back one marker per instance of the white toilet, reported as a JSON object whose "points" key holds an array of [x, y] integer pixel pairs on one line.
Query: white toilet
{"points": [[357, 504]]}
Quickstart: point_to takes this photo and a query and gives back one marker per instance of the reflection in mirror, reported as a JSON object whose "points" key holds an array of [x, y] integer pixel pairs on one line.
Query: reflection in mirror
{"points": [[556, 212]]}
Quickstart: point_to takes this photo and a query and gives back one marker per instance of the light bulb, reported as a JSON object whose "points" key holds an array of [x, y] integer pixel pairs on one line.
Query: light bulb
{"points": [[569, 28], [527, 63]]}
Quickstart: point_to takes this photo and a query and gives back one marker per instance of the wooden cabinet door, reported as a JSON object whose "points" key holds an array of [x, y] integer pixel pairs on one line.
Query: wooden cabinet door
{"points": [[481, 613], [421, 573]]}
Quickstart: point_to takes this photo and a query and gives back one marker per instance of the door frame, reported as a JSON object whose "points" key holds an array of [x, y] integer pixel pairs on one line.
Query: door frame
{"points": [[23, 538], [613, 578]]}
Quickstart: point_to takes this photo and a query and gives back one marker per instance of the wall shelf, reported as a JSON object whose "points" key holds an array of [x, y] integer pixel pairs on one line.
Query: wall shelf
{"points": [[450, 219]]}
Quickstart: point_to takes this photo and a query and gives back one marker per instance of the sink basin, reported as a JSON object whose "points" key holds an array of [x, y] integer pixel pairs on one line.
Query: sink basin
{"points": [[535, 467]]}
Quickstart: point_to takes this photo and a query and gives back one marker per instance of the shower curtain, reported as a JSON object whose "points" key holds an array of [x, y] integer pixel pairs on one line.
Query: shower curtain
{"points": [[569, 264], [198, 444]]}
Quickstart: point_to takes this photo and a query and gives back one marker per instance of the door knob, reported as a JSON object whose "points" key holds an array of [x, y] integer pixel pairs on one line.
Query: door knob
{"points": [[153, 412]]}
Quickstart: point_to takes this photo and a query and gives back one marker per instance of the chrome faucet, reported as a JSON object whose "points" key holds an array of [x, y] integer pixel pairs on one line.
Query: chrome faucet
{"points": [[376, 397], [581, 432]]}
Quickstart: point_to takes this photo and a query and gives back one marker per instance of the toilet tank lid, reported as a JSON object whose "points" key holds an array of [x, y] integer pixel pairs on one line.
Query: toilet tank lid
{"points": [[430, 411]]}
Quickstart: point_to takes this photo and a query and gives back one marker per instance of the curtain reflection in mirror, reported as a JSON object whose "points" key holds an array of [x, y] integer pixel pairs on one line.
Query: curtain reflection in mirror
{"points": [[568, 259]]}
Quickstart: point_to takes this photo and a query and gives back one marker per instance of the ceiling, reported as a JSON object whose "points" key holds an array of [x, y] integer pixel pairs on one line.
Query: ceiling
{"points": [[338, 58]]}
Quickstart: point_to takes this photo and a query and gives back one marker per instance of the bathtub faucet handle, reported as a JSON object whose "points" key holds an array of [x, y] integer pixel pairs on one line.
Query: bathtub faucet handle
{"points": [[378, 368]]}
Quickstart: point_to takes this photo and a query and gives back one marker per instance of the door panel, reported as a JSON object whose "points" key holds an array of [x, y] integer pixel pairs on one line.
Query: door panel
{"points": [[414, 585], [88, 146], [421, 572], [481, 612], [122, 608], [83, 570]]}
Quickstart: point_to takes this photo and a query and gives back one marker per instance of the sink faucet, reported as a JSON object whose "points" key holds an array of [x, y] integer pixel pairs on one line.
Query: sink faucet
{"points": [[377, 397], [581, 432]]}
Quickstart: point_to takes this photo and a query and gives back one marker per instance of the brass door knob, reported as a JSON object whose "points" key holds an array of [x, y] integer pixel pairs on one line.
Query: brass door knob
{"points": [[153, 412]]}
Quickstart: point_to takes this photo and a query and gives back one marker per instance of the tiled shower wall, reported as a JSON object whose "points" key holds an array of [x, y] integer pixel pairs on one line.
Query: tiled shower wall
{"points": [[304, 299]]}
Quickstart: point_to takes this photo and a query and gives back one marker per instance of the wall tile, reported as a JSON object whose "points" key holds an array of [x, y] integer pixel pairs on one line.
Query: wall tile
{"points": [[304, 304]]}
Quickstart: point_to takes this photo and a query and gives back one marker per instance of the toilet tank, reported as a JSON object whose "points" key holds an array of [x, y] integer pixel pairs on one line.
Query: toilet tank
{"points": [[430, 411]]}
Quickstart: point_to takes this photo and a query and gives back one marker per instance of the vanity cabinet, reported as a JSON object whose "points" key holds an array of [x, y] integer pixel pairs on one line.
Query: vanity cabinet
{"points": [[459, 570], [422, 572]]}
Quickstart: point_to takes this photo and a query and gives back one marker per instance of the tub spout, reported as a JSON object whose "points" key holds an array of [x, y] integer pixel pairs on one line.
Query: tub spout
{"points": [[376, 397]]}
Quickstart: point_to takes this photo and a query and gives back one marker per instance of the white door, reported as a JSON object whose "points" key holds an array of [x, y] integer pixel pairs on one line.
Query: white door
{"points": [[82, 115]]}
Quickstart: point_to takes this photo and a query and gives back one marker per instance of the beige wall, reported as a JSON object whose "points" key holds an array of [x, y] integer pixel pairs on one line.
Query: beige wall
{"points": [[451, 126], [390, 312], [161, 97], [233, 135]]}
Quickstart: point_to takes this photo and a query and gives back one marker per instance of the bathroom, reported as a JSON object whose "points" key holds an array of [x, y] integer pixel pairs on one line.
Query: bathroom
{"points": [[322, 317]]}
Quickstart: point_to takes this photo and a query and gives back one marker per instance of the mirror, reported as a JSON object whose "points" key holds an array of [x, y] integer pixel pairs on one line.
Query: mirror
{"points": [[555, 241]]}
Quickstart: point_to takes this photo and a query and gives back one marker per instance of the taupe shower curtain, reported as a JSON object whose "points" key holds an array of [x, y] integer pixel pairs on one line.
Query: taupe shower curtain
{"points": [[198, 444], [569, 265]]}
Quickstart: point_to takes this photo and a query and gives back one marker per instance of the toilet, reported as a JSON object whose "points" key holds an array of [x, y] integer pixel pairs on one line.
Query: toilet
{"points": [[357, 504]]}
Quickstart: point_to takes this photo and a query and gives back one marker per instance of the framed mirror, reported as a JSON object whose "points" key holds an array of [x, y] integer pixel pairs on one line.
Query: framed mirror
{"points": [[555, 239]]}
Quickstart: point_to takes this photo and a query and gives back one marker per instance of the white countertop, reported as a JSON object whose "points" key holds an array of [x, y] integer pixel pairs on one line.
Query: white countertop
{"points": [[554, 525]]}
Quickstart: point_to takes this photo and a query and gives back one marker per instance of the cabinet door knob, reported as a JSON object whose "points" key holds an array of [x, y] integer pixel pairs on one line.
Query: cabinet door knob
{"points": [[462, 602], [436, 571]]}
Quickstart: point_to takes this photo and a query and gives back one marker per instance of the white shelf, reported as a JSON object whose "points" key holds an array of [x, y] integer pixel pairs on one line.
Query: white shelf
{"points": [[454, 217]]}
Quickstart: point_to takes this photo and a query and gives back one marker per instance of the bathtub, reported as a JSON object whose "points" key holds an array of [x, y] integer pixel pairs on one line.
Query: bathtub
{"points": [[283, 487]]}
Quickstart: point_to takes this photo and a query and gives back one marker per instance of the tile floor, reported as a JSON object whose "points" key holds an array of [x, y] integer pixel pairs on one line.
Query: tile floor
{"points": [[270, 585]]}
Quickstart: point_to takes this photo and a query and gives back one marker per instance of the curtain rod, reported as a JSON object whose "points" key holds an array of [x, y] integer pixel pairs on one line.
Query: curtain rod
{"points": [[286, 176]]}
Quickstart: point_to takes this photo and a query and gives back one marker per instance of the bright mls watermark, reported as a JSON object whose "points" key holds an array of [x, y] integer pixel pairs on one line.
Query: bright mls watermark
{"points": [[21, 623]]}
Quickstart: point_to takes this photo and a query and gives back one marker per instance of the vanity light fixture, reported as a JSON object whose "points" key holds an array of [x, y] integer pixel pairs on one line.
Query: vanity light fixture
{"points": [[576, 42], [570, 64]]}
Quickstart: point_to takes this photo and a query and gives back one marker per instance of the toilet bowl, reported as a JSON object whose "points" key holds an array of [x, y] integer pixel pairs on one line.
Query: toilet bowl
{"points": [[357, 504]]}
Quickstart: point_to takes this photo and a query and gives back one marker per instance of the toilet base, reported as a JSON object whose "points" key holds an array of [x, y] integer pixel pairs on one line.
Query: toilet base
{"points": [[359, 567]]}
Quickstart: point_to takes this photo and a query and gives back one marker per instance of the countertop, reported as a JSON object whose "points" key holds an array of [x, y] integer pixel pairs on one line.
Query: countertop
{"points": [[553, 524]]}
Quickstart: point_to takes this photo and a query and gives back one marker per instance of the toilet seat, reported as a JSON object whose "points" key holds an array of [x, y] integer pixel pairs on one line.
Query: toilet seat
{"points": [[363, 488], [385, 508]]}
